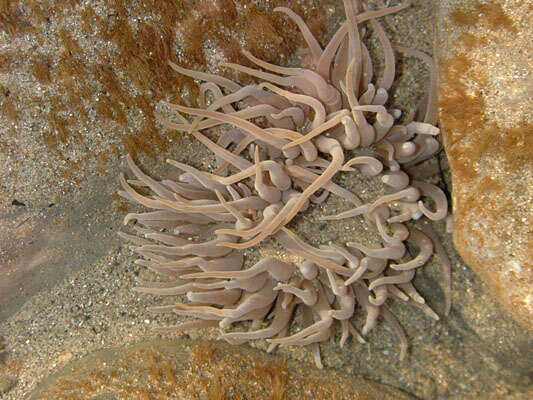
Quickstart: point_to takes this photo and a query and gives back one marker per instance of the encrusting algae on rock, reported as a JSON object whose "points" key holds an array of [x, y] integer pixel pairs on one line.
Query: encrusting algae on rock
{"points": [[185, 369], [287, 137], [482, 72]]}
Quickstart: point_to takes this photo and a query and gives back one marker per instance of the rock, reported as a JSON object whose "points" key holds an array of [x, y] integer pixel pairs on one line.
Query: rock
{"points": [[188, 369], [485, 115]]}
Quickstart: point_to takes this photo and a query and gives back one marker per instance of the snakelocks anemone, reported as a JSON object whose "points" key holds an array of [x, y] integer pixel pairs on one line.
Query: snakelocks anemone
{"points": [[285, 139]]}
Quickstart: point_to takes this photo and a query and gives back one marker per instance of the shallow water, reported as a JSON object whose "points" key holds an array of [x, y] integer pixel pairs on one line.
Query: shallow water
{"points": [[66, 279]]}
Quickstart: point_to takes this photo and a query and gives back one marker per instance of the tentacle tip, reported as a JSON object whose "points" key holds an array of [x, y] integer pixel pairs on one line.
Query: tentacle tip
{"points": [[448, 306]]}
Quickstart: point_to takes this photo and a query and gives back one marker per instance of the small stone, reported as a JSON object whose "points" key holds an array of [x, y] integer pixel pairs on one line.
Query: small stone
{"points": [[65, 357]]}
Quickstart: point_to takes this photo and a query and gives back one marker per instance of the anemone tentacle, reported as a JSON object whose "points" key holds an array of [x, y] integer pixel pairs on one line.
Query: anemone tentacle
{"points": [[198, 225]]}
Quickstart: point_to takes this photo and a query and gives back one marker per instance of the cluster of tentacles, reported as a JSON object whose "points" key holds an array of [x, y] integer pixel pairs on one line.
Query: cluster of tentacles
{"points": [[286, 139]]}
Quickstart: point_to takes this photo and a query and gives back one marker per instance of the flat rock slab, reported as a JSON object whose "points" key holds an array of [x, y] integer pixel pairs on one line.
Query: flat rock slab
{"points": [[485, 55], [192, 369]]}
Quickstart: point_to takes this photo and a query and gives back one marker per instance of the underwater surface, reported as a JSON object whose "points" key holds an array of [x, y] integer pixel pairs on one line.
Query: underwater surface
{"points": [[80, 82]]}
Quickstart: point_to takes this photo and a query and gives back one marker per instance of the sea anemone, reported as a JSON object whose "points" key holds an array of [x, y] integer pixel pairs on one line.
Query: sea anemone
{"points": [[285, 141]]}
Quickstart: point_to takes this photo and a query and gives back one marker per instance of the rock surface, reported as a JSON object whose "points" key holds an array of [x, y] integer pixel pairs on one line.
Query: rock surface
{"points": [[486, 114], [198, 369]]}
